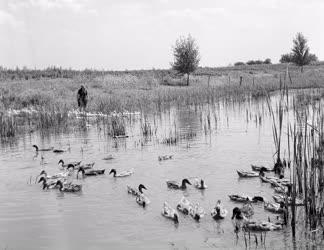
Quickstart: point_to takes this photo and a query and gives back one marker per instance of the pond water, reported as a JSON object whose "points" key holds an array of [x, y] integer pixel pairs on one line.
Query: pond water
{"points": [[105, 216]]}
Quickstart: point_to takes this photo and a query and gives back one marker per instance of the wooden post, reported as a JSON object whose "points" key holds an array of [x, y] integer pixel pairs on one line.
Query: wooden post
{"points": [[253, 80]]}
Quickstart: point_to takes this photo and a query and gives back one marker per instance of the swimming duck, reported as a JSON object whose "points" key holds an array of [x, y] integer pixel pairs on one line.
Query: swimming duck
{"points": [[262, 226], [240, 198], [90, 172], [247, 174], [238, 219], [121, 174], [274, 207], [200, 184], [74, 163], [187, 207], [165, 157], [87, 165], [176, 185], [132, 191], [47, 185], [55, 176], [259, 168], [70, 188], [141, 199], [218, 212], [58, 151], [109, 157], [247, 209], [170, 213], [42, 149]]}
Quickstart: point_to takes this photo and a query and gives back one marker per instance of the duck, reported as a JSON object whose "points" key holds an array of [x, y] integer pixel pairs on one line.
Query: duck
{"points": [[238, 219], [121, 174], [240, 198], [90, 172], [218, 212], [170, 213], [141, 199], [47, 185], [262, 226], [258, 199], [74, 163], [55, 176], [42, 149], [132, 191], [186, 207], [274, 207], [58, 151], [247, 174], [200, 184], [87, 165], [259, 168], [247, 210], [165, 157], [176, 185], [69, 188], [109, 157]]}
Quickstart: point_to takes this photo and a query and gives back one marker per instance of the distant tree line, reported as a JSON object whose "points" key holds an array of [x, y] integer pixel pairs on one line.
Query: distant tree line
{"points": [[253, 62]]}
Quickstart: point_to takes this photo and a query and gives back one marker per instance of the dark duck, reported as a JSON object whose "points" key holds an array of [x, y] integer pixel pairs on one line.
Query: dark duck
{"points": [[133, 191], [69, 188], [90, 172], [42, 149], [176, 185]]}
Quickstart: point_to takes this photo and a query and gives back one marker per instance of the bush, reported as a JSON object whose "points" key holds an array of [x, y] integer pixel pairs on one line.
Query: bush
{"points": [[267, 61], [239, 63]]}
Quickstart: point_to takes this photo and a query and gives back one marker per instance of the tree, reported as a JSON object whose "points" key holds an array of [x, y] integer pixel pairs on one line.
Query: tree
{"points": [[300, 52], [267, 61], [239, 63], [186, 56], [286, 58]]}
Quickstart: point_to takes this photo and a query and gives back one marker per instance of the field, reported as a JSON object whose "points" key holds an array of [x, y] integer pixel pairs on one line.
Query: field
{"points": [[146, 89]]}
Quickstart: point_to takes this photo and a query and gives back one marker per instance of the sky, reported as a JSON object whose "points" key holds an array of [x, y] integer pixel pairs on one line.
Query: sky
{"points": [[129, 34]]}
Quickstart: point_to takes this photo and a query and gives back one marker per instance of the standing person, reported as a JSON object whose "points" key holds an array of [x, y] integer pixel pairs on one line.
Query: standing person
{"points": [[82, 98]]}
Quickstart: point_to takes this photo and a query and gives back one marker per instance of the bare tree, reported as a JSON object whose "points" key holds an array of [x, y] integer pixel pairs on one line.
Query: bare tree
{"points": [[186, 56]]}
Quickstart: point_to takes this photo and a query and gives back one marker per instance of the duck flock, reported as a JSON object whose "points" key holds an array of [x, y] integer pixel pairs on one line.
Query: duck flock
{"points": [[241, 216]]}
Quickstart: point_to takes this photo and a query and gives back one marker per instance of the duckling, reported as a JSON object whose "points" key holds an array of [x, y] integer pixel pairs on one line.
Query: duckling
{"points": [[42, 149], [121, 174], [176, 185], [70, 188], [90, 172], [74, 163]]}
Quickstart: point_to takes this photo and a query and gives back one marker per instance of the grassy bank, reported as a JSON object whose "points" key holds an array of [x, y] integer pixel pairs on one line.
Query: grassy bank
{"points": [[140, 90]]}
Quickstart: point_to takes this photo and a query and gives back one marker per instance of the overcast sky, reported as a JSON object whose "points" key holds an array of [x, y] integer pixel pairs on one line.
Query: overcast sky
{"points": [[139, 34]]}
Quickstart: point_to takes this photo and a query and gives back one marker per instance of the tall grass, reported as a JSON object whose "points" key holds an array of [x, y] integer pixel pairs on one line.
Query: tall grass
{"points": [[306, 150]]}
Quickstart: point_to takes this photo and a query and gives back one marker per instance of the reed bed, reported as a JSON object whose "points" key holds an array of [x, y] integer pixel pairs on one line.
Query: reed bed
{"points": [[305, 145]]}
